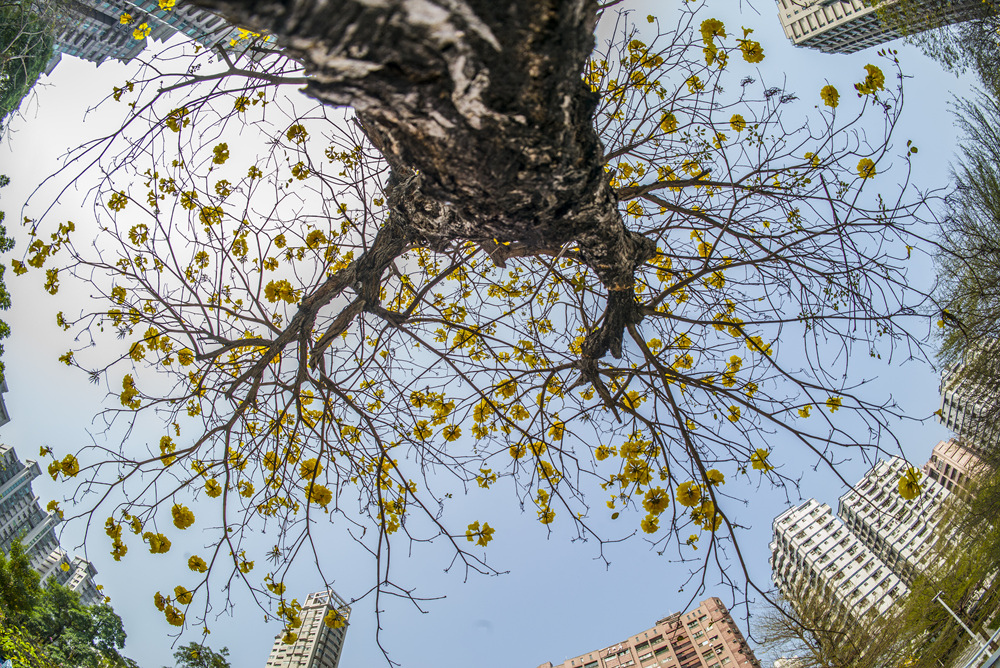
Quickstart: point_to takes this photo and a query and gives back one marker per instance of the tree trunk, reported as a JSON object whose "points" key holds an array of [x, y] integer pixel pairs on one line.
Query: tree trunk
{"points": [[480, 109]]}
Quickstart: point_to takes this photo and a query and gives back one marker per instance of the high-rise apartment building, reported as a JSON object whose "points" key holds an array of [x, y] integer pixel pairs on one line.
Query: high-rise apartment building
{"points": [[901, 532], [21, 517], [92, 29], [846, 26], [862, 562], [706, 637], [954, 466], [969, 399], [319, 644], [4, 415], [815, 556]]}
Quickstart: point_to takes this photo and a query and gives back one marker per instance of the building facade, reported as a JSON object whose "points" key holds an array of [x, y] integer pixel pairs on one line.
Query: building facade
{"points": [[815, 554], [846, 26], [705, 637], [92, 29], [318, 644], [903, 533], [862, 562], [954, 466], [968, 401], [22, 517]]}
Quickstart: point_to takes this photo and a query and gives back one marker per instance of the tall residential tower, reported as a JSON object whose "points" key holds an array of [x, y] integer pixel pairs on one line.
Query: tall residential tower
{"points": [[92, 29], [862, 562], [22, 517], [319, 643], [846, 26]]}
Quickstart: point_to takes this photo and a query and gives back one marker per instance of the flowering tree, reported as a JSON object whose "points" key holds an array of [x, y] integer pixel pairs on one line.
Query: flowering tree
{"points": [[579, 276]]}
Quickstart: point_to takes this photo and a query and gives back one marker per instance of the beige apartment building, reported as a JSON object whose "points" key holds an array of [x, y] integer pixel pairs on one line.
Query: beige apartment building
{"points": [[705, 637], [953, 465]]}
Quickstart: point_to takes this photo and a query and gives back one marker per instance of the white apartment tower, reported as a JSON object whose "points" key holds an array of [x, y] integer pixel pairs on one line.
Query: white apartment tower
{"points": [[318, 644], [969, 400], [21, 516], [902, 533], [863, 561], [846, 26], [813, 553]]}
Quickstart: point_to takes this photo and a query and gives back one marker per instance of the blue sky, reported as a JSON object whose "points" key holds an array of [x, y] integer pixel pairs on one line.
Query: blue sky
{"points": [[558, 598]]}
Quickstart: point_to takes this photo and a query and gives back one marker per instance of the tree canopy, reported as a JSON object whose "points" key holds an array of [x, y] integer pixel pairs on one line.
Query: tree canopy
{"points": [[26, 42], [600, 281], [195, 655], [968, 290], [63, 631], [6, 245]]}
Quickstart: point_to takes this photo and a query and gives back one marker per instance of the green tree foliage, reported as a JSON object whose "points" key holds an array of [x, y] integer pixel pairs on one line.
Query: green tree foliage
{"points": [[19, 590], [74, 634], [193, 655], [53, 619], [962, 570], [6, 244], [972, 46], [968, 256], [22, 650], [26, 42]]}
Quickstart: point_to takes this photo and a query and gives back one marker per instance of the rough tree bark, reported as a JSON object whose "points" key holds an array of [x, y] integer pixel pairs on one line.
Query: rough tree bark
{"points": [[480, 110]]}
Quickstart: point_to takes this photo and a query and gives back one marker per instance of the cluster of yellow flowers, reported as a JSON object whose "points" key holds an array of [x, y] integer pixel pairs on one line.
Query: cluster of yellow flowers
{"points": [[165, 605], [68, 466], [480, 535], [183, 517], [909, 484], [759, 460]]}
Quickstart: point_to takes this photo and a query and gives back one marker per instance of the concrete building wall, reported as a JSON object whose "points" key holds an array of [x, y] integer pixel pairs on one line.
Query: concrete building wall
{"points": [[318, 645], [968, 404], [92, 30], [814, 553], [705, 637], [953, 465], [847, 26], [901, 532], [22, 517]]}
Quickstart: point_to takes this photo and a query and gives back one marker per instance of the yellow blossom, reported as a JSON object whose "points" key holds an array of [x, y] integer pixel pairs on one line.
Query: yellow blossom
{"points": [[874, 81], [158, 543], [213, 488], [688, 493], [830, 96], [480, 535], [909, 484], [866, 168], [715, 477], [182, 595], [759, 460], [656, 501], [318, 494], [183, 517]]}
